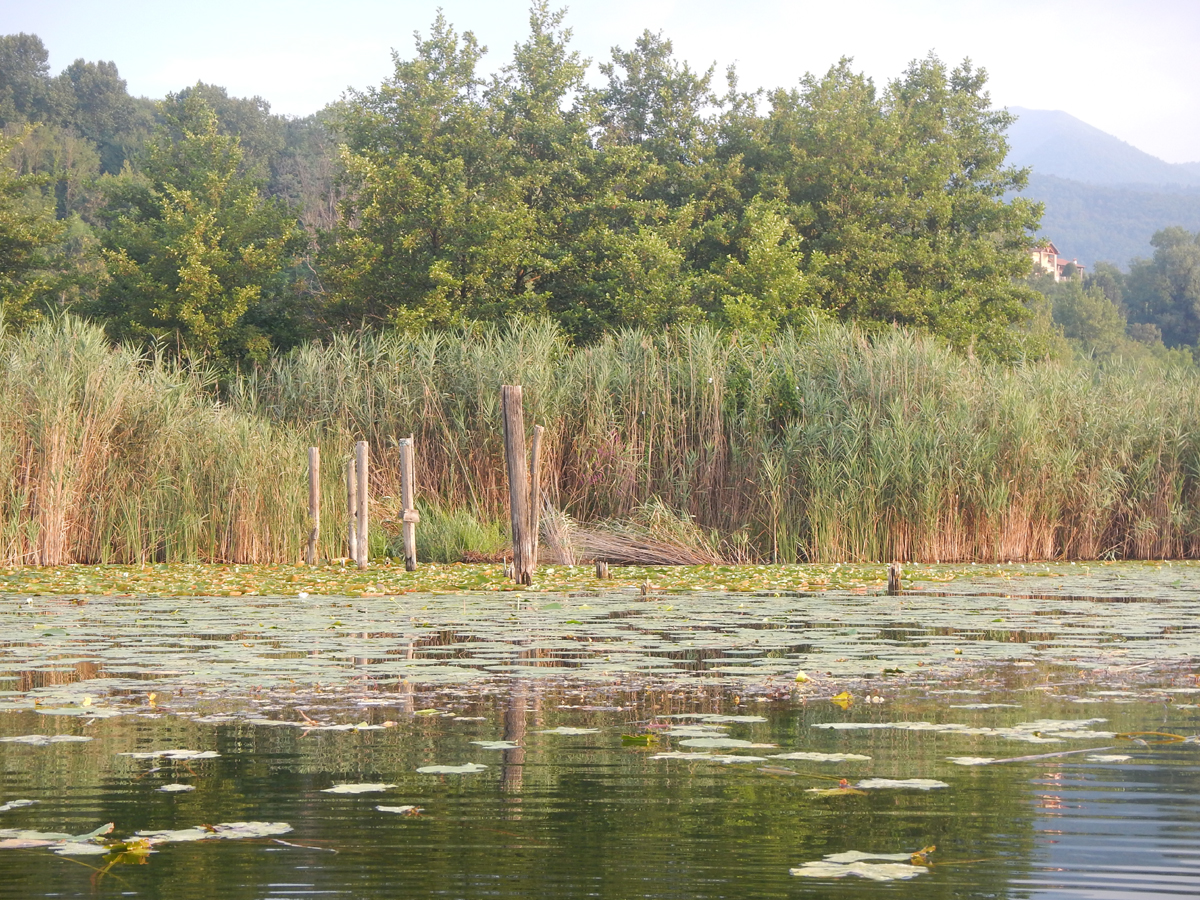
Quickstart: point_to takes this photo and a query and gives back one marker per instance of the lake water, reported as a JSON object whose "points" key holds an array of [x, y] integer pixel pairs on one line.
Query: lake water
{"points": [[653, 747]]}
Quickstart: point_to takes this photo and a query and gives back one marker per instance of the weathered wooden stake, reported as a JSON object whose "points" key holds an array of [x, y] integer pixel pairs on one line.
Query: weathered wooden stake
{"points": [[314, 503], [360, 464], [894, 575], [407, 497], [352, 510], [601, 569], [535, 493], [513, 415]]}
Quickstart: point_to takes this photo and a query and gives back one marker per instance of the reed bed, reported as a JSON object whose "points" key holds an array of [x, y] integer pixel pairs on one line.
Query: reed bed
{"points": [[821, 444], [108, 455]]}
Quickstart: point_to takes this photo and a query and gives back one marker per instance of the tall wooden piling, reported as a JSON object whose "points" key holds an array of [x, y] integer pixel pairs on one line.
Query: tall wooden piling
{"points": [[535, 493], [410, 516], [360, 464], [513, 415], [314, 504], [352, 510], [894, 576]]}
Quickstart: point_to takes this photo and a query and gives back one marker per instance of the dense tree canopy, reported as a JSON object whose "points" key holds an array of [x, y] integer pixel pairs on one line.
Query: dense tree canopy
{"points": [[1164, 292], [192, 245], [445, 195], [27, 229]]}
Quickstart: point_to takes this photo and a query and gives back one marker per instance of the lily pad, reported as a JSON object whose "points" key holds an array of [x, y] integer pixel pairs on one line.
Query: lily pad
{"points": [[172, 754], [41, 740], [862, 865], [357, 788], [680, 754], [822, 757], [80, 848], [400, 810], [464, 769], [228, 831], [714, 743], [16, 804], [566, 729], [24, 839], [918, 784], [497, 745], [177, 788]]}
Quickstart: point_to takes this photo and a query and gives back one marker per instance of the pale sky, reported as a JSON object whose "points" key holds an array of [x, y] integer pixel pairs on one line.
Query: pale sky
{"points": [[1131, 69]]}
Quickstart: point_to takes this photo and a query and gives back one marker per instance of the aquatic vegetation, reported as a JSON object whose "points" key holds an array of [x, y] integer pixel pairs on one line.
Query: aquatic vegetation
{"points": [[172, 754], [568, 730], [42, 740], [812, 756], [464, 769], [916, 784], [871, 866], [227, 831], [408, 696]]}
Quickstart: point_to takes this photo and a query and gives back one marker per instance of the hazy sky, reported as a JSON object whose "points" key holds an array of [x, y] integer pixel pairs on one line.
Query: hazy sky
{"points": [[1129, 68]]}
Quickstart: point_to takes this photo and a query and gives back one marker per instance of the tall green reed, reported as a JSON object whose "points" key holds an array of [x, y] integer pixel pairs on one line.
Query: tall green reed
{"points": [[821, 443]]}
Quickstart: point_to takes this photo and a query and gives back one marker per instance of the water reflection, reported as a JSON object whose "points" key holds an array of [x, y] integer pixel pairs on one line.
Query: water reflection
{"points": [[586, 815], [298, 697]]}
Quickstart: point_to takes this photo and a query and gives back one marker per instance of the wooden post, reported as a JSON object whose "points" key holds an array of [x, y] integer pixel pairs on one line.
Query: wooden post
{"points": [[360, 463], [314, 503], [408, 499], [352, 509], [601, 569], [535, 494], [513, 415], [894, 575]]}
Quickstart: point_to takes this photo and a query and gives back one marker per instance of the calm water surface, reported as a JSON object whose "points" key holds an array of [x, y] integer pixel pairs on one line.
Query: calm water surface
{"points": [[278, 702]]}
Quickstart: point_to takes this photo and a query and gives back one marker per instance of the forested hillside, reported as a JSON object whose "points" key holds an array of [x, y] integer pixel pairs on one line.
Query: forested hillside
{"points": [[1104, 199]]}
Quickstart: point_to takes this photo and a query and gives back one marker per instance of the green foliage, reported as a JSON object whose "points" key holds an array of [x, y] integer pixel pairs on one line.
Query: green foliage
{"points": [[653, 201], [26, 94], [28, 231], [900, 199], [1165, 291], [762, 287], [444, 535], [192, 246]]}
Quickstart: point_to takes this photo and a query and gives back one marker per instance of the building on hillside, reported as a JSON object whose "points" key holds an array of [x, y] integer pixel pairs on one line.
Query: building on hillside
{"points": [[1047, 262]]}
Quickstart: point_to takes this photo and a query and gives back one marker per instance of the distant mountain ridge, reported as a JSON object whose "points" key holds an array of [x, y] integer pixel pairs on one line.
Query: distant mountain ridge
{"points": [[1104, 198], [1056, 143]]}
